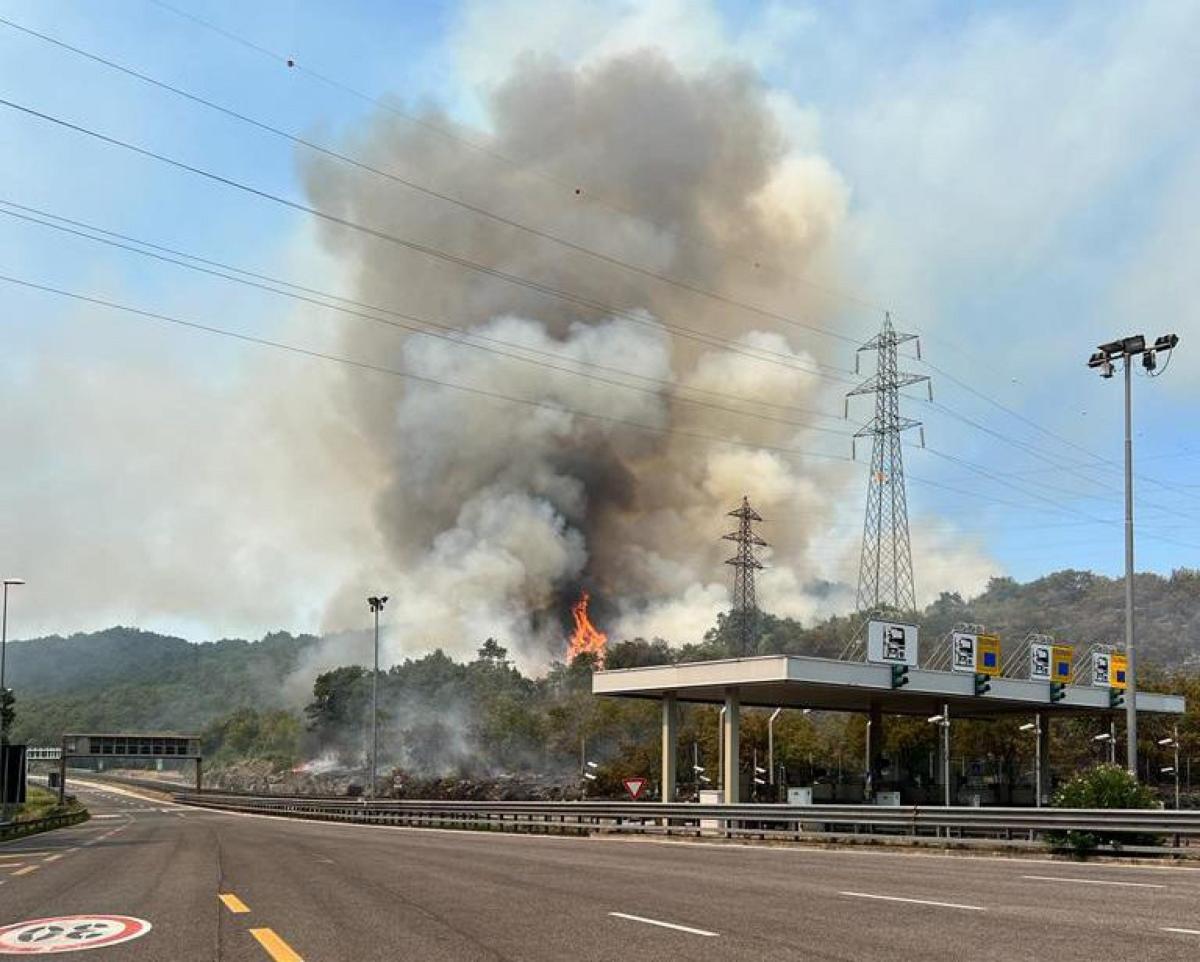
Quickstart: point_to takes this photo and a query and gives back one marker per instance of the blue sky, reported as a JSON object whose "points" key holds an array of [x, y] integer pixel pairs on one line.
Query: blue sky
{"points": [[1022, 183]]}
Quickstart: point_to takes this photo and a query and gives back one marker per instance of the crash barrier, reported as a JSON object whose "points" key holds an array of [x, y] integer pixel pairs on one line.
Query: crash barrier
{"points": [[1020, 826], [34, 825]]}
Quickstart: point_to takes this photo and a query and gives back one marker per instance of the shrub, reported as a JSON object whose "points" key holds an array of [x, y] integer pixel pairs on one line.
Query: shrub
{"points": [[1104, 786]]}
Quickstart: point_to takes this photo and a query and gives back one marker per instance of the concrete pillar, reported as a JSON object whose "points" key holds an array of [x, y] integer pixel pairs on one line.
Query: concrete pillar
{"points": [[669, 714], [731, 728], [874, 747], [1044, 756]]}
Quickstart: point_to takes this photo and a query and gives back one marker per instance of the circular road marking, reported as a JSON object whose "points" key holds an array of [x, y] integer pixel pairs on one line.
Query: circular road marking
{"points": [[69, 933]]}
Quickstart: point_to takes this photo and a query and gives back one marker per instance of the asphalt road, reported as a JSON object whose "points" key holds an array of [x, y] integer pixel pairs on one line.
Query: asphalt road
{"points": [[319, 891]]}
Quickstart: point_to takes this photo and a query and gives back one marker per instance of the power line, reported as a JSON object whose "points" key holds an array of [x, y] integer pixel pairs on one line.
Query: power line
{"points": [[760, 354], [430, 192], [468, 389], [456, 335], [525, 166], [408, 375]]}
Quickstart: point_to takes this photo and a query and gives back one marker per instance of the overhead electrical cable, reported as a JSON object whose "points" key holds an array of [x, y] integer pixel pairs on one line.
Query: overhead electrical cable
{"points": [[484, 393], [419, 325], [573, 189], [761, 354], [427, 191]]}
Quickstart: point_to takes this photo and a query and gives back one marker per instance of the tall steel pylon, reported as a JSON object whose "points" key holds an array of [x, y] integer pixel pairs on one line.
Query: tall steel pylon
{"points": [[745, 607], [885, 574]]}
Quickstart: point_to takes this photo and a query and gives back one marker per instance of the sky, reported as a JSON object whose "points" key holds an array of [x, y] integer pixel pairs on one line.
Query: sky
{"points": [[1016, 182]]}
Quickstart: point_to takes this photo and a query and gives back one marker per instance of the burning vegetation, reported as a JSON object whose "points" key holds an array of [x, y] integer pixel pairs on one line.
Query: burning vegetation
{"points": [[587, 637]]}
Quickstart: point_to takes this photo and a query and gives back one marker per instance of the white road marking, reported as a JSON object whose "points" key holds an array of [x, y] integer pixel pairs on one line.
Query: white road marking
{"points": [[897, 898], [1183, 931], [664, 925], [1092, 881]]}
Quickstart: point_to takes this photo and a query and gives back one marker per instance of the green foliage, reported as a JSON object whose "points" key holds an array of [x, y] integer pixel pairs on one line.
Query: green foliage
{"points": [[1103, 786], [272, 735]]}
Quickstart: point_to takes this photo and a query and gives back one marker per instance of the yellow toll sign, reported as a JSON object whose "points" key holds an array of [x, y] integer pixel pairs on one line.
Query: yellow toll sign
{"points": [[1118, 666], [987, 654], [1061, 658]]}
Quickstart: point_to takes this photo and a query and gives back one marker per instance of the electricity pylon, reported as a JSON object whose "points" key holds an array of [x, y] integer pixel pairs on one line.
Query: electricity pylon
{"points": [[745, 607], [885, 575]]}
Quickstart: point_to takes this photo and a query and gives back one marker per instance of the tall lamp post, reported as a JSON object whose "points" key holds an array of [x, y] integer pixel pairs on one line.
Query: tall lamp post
{"points": [[1126, 349], [943, 722], [8, 582], [376, 607]]}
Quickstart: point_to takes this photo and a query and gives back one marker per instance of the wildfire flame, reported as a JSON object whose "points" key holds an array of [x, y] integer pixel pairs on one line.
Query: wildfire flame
{"points": [[587, 637]]}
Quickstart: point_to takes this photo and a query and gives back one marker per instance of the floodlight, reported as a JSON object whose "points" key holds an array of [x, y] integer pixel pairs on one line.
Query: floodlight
{"points": [[698, 768], [1166, 342], [1112, 348], [1148, 361], [14, 581], [589, 776], [1167, 771], [1134, 344], [1098, 359]]}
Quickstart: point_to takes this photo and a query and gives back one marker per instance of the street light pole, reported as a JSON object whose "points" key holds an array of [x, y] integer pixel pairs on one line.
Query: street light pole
{"points": [[1127, 349], [4, 700], [1035, 726], [376, 604], [771, 744]]}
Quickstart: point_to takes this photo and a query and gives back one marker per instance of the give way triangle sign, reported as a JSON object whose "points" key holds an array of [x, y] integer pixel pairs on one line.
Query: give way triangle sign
{"points": [[634, 787]]}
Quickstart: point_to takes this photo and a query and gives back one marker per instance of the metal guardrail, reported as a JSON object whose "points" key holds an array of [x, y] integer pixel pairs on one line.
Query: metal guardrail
{"points": [[764, 821], [34, 825]]}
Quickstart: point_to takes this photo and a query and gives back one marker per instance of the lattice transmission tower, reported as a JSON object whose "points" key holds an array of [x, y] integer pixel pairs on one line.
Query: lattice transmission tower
{"points": [[885, 575], [745, 607]]}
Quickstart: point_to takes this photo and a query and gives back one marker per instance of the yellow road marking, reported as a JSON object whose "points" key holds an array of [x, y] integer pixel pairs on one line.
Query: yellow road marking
{"points": [[26, 870], [233, 903], [276, 948], [23, 854]]}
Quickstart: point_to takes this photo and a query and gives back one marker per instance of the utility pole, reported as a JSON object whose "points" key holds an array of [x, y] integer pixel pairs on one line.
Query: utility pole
{"points": [[8, 582], [885, 578], [1127, 349], [376, 604], [744, 563]]}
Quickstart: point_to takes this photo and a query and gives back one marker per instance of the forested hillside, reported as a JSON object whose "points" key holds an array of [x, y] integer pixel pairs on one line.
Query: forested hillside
{"points": [[442, 717]]}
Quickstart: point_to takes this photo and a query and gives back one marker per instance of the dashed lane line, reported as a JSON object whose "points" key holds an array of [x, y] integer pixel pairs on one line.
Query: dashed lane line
{"points": [[897, 898], [233, 903], [664, 925], [1182, 931], [276, 948], [27, 869], [1092, 881]]}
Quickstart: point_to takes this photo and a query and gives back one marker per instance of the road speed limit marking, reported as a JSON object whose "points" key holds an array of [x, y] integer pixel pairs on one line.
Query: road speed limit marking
{"points": [[69, 933]]}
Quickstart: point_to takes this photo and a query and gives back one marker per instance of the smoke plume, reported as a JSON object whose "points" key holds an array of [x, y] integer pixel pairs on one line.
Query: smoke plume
{"points": [[496, 514]]}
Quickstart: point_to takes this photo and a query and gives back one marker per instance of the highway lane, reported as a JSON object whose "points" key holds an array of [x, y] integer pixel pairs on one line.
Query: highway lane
{"points": [[332, 892]]}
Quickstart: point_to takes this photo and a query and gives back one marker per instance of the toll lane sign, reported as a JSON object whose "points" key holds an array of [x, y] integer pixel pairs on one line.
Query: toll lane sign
{"points": [[962, 651], [1039, 662], [1062, 658], [987, 656], [1118, 669], [892, 643], [1101, 669]]}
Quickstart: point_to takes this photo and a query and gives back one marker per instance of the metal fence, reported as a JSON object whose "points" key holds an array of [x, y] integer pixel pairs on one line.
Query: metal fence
{"points": [[1020, 826], [34, 825]]}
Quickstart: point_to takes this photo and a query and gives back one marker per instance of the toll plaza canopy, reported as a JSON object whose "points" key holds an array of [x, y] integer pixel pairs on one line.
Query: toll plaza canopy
{"points": [[794, 681]]}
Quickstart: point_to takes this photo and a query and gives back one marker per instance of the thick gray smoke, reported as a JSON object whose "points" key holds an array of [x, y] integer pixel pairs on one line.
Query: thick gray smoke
{"points": [[496, 514]]}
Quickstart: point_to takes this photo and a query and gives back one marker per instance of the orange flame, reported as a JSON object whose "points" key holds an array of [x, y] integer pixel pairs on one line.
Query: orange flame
{"points": [[587, 636]]}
